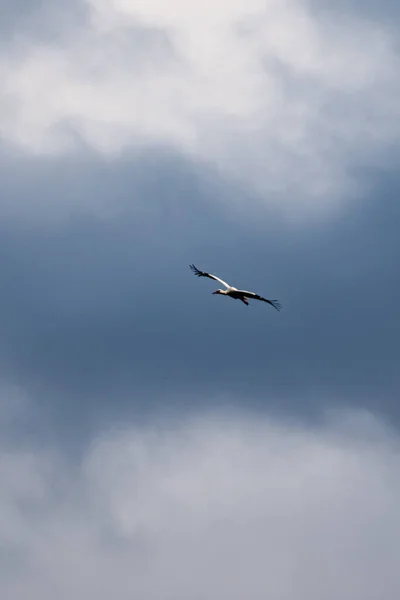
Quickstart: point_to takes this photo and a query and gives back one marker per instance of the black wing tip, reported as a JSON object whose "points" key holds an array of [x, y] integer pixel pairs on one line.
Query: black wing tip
{"points": [[196, 270], [276, 305]]}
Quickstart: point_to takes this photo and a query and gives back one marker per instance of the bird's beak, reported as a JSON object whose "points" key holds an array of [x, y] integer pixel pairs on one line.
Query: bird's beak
{"points": [[215, 292]]}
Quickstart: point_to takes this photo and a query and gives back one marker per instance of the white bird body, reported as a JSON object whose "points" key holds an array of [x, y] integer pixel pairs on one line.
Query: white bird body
{"points": [[233, 292]]}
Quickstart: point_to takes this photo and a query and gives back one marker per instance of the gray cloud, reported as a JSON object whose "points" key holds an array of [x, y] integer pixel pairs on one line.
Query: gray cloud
{"points": [[378, 12], [39, 20], [280, 100], [216, 506]]}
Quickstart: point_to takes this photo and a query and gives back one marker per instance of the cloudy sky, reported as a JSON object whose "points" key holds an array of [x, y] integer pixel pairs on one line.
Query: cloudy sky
{"points": [[158, 442]]}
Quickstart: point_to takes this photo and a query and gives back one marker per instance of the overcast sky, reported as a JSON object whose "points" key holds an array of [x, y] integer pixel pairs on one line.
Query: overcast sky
{"points": [[159, 442]]}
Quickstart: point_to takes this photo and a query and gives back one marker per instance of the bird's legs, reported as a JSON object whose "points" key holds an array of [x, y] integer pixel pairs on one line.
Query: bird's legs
{"points": [[244, 301]]}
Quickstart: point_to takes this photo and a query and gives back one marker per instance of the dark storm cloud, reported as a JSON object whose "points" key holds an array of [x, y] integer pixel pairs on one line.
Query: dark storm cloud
{"points": [[98, 306]]}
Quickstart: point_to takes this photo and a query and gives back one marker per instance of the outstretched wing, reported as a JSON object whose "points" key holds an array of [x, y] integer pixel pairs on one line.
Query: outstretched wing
{"points": [[273, 303], [203, 274]]}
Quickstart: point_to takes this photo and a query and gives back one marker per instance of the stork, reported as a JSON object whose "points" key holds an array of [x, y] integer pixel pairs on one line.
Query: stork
{"points": [[233, 292]]}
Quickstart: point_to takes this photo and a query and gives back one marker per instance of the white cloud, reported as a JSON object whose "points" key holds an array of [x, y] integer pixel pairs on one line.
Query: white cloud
{"points": [[213, 507], [263, 91]]}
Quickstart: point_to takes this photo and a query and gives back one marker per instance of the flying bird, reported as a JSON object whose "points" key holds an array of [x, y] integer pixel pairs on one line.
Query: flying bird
{"points": [[234, 292]]}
